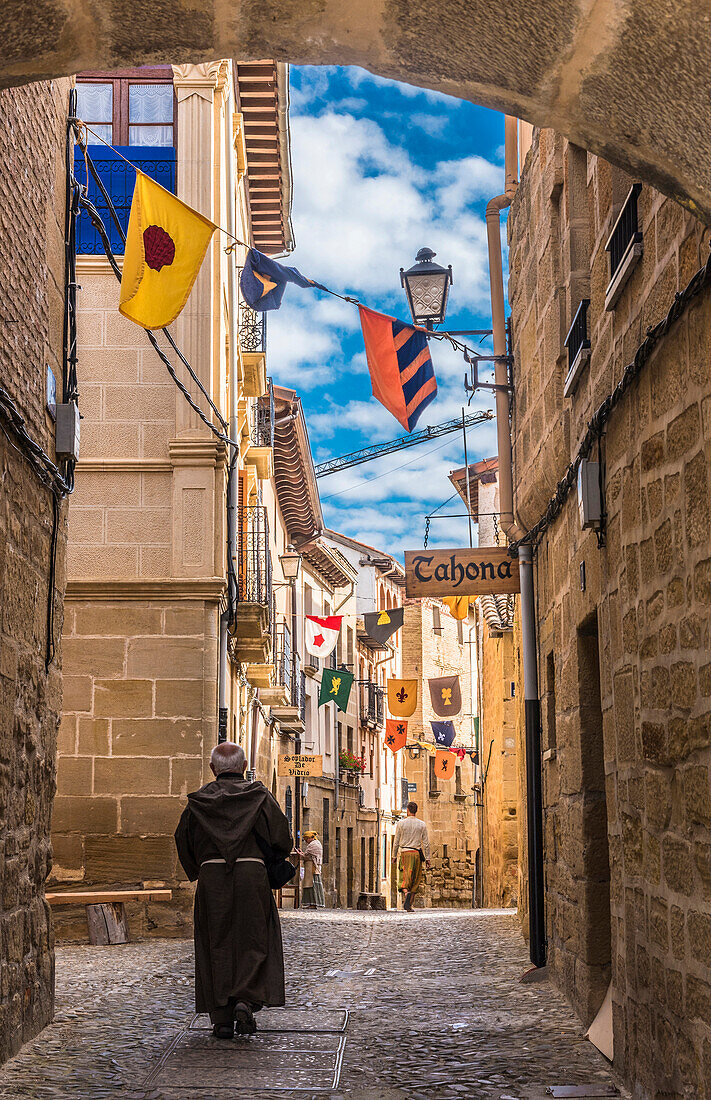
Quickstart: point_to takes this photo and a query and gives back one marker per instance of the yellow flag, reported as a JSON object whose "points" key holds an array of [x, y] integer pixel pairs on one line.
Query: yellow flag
{"points": [[165, 246], [459, 605]]}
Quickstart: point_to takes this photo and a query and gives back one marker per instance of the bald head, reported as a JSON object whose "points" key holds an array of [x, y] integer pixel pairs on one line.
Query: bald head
{"points": [[228, 757]]}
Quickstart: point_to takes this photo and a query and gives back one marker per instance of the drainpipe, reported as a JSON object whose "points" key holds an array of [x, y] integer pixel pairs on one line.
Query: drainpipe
{"points": [[532, 708], [232, 454]]}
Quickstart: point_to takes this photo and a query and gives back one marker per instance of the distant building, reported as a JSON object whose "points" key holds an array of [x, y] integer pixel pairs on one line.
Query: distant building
{"points": [[435, 644]]}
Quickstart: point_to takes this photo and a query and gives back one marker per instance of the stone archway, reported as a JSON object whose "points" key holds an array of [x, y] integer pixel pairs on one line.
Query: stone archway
{"points": [[628, 79]]}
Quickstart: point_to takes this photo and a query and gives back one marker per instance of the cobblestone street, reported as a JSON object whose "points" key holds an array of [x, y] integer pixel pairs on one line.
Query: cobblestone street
{"points": [[435, 1010]]}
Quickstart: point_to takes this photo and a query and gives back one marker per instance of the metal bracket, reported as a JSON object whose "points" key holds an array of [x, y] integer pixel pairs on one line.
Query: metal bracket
{"points": [[472, 383]]}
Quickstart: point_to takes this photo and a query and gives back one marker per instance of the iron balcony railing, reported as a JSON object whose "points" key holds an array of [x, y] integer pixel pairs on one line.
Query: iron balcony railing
{"points": [[252, 329], [119, 178], [625, 231], [255, 560], [262, 424], [577, 337], [287, 668], [371, 703]]}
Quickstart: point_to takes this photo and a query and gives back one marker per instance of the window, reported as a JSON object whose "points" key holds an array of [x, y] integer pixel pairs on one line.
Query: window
{"points": [[624, 246], [135, 108], [288, 806], [434, 789], [459, 792], [578, 344], [460, 631], [436, 619], [325, 829], [404, 794], [550, 704]]}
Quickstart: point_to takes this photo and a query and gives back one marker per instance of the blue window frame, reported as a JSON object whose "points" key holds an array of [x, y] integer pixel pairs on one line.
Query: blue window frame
{"points": [[119, 178]]}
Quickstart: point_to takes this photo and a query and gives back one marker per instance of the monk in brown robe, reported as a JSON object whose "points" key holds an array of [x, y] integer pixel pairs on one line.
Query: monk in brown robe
{"points": [[239, 961]]}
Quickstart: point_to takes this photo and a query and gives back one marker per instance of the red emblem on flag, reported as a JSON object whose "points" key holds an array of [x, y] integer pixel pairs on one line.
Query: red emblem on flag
{"points": [[158, 247]]}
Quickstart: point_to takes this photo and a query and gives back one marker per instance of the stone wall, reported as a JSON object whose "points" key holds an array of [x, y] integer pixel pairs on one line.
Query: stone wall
{"points": [[623, 627], [447, 807], [499, 750], [32, 190]]}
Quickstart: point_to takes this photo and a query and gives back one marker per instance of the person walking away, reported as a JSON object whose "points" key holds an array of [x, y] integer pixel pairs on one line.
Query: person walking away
{"points": [[312, 858], [239, 961], [412, 844]]}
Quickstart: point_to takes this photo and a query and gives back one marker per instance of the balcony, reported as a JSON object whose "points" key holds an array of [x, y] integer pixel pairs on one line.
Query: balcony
{"points": [[372, 709], [286, 695], [260, 451], [251, 640], [253, 342], [119, 178]]}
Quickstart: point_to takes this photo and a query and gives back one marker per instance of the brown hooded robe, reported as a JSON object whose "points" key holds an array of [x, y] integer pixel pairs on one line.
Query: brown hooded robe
{"points": [[238, 948]]}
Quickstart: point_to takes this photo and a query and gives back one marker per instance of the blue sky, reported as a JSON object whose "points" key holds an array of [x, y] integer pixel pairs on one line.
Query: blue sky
{"points": [[381, 169]]}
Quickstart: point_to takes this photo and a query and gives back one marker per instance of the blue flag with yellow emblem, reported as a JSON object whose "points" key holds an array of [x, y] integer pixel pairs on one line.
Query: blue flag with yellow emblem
{"points": [[263, 281]]}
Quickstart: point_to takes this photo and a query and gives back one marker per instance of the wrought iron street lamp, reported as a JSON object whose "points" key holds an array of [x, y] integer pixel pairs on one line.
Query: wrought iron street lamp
{"points": [[290, 563], [427, 287]]}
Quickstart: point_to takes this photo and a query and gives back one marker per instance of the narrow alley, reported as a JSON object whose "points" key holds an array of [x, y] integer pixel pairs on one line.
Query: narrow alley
{"points": [[431, 1003]]}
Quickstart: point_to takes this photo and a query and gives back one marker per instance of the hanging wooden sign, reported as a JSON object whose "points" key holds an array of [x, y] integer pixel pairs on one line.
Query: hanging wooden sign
{"points": [[486, 571], [300, 766]]}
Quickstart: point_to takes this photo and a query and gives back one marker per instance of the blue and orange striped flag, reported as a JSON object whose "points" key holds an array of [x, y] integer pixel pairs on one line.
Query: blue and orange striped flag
{"points": [[401, 371]]}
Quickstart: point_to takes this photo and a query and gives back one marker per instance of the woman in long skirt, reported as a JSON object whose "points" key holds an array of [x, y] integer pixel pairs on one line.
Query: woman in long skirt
{"points": [[313, 896]]}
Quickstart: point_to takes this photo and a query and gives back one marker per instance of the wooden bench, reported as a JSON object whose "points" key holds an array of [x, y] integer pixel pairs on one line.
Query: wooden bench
{"points": [[105, 909], [370, 901]]}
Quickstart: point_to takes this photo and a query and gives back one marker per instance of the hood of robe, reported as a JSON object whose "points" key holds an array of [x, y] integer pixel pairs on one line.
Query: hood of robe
{"points": [[227, 810]]}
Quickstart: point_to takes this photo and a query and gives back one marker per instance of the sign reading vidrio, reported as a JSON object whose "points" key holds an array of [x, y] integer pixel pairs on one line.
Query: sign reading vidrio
{"points": [[300, 766], [486, 571]]}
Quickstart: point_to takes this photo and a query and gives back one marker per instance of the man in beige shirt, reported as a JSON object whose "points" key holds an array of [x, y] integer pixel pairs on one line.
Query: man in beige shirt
{"points": [[412, 844]]}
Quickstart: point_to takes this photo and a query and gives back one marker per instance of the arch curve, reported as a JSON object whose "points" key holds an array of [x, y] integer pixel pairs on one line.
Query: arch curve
{"points": [[618, 77]]}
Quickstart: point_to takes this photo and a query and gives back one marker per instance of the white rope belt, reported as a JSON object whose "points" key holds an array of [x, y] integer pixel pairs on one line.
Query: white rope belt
{"points": [[243, 859]]}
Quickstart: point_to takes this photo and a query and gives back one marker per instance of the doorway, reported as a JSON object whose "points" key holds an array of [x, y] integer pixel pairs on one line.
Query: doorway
{"points": [[595, 888]]}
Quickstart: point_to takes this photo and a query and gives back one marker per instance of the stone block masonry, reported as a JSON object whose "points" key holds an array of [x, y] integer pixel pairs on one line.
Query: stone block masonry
{"points": [[623, 645], [32, 195], [135, 738]]}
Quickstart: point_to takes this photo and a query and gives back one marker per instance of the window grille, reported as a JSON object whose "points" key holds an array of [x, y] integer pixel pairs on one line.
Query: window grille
{"points": [[255, 560], [436, 619], [625, 232], [404, 793], [252, 329], [432, 776], [577, 338], [325, 829], [262, 430]]}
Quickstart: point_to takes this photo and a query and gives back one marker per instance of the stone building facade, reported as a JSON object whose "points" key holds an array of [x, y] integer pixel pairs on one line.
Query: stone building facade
{"points": [[435, 644], [32, 197], [623, 611], [147, 559]]}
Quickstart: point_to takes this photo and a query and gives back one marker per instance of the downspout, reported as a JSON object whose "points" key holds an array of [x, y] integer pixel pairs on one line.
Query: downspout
{"points": [[232, 454], [532, 708]]}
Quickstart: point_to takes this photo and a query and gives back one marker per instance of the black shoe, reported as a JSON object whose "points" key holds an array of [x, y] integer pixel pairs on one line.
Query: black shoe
{"points": [[245, 1023], [223, 1031]]}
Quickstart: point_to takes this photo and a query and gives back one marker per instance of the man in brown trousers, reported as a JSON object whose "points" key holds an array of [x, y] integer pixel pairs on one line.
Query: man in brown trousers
{"points": [[239, 961]]}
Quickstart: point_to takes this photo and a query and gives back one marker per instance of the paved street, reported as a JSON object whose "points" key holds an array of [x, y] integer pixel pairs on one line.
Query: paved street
{"points": [[434, 1010]]}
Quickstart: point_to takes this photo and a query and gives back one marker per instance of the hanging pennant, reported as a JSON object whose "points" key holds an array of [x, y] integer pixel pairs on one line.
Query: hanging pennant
{"points": [[459, 751], [443, 733], [446, 696], [459, 605], [336, 684], [380, 625], [263, 281], [443, 765], [401, 372], [321, 635], [402, 697], [165, 246], [395, 733]]}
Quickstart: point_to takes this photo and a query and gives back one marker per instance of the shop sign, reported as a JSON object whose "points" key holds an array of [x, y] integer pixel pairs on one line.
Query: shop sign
{"points": [[300, 766], [485, 571]]}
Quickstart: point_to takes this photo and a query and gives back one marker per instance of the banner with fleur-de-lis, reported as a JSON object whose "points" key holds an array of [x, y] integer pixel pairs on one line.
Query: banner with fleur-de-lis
{"points": [[402, 697], [446, 696]]}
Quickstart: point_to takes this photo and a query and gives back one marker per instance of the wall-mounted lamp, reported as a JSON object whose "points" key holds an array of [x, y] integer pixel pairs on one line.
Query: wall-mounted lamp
{"points": [[290, 562]]}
